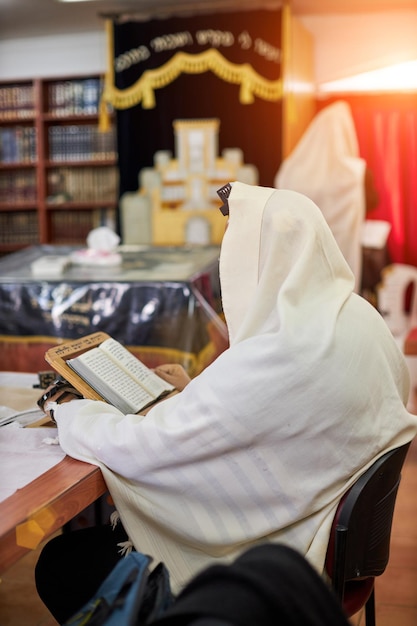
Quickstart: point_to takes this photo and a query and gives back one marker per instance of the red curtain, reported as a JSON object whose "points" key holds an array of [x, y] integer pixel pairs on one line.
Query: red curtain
{"points": [[387, 133]]}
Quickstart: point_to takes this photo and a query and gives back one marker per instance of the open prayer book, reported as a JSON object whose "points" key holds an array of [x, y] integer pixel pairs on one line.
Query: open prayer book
{"points": [[101, 368]]}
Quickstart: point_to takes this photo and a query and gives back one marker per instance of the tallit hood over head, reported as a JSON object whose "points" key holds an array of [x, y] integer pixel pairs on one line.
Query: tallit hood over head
{"points": [[279, 260], [326, 166]]}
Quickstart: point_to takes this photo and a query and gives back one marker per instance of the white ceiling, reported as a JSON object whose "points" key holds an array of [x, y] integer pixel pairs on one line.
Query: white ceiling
{"points": [[33, 18]]}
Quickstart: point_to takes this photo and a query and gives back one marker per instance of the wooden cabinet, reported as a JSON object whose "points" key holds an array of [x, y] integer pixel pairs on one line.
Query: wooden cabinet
{"points": [[58, 172]]}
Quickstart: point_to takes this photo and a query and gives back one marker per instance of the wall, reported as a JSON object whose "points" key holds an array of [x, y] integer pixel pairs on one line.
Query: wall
{"points": [[64, 55], [363, 42]]}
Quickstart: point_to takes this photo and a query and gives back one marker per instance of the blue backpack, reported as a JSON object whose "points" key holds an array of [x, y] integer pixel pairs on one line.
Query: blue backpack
{"points": [[131, 595]]}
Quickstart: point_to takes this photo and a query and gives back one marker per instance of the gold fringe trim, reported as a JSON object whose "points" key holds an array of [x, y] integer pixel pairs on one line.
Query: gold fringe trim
{"points": [[251, 83], [193, 363]]}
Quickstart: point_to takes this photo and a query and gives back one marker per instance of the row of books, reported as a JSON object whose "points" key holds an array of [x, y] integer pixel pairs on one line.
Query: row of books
{"points": [[18, 228], [72, 227], [18, 144], [88, 184], [74, 97], [64, 98], [67, 227], [81, 143], [18, 186], [17, 101]]}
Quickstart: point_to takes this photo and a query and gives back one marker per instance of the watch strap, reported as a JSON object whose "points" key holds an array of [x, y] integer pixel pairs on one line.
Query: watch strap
{"points": [[58, 386]]}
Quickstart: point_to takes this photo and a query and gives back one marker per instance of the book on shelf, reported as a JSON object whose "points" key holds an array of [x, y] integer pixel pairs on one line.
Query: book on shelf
{"points": [[73, 226], [87, 184], [18, 227], [18, 144], [75, 97], [17, 102], [82, 142], [101, 368], [18, 186]]}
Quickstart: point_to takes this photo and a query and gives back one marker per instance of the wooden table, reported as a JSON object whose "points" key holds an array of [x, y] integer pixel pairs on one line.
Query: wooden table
{"points": [[36, 511]]}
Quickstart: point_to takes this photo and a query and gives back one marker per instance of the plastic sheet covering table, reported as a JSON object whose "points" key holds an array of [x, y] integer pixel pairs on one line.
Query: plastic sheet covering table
{"points": [[161, 303]]}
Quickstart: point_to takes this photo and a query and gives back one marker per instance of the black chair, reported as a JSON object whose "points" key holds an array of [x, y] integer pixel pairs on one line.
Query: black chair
{"points": [[359, 542]]}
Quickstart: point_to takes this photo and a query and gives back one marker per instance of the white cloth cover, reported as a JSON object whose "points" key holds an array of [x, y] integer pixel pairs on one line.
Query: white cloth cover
{"points": [[262, 444], [325, 166]]}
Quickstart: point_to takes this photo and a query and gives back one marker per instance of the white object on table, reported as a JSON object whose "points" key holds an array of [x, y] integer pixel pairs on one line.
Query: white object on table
{"points": [[25, 453]]}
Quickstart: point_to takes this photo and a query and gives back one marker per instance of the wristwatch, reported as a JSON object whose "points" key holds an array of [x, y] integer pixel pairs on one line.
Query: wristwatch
{"points": [[61, 387]]}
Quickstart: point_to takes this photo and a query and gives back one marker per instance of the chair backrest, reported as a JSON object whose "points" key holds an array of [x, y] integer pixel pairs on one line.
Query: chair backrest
{"points": [[397, 280], [360, 538]]}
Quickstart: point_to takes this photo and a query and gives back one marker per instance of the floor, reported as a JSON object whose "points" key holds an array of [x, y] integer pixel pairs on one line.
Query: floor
{"points": [[396, 589]]}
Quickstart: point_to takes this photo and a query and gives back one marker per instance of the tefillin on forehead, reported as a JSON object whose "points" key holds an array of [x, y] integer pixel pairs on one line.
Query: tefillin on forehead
{"points": [[223, 194]]}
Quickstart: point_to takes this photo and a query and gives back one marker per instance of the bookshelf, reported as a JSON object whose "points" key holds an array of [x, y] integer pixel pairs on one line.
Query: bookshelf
{"points": [[58, 172]]}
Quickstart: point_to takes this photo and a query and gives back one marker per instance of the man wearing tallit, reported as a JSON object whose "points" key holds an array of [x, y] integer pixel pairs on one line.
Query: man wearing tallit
{"points": [[263, 443], [326, 167]]}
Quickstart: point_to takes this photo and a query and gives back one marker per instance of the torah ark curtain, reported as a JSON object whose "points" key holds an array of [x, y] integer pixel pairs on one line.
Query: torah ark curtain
{"points": [[245, 98]]}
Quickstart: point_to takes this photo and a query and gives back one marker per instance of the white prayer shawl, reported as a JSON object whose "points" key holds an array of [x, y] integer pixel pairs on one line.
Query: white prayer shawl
{"points": [[325, 166], [262, 444]]}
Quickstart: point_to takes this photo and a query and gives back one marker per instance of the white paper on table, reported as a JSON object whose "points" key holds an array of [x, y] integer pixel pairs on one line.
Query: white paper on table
{"points": [[18, 396], [24, 455], [19, 379]]}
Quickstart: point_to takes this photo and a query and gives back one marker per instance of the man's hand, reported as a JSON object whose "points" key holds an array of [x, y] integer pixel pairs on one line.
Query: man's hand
{"points": [[173, 373], [60, 391]]}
